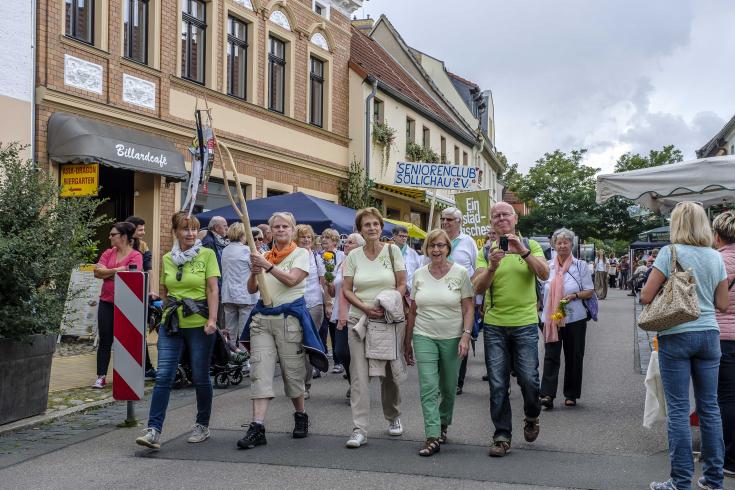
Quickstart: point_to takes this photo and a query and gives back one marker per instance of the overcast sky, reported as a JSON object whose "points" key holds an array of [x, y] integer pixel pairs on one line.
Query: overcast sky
{"points": [[608, 75]]}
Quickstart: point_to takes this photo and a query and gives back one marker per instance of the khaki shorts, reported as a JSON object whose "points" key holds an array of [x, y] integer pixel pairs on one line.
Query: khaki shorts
{"points": [[273, 338]]}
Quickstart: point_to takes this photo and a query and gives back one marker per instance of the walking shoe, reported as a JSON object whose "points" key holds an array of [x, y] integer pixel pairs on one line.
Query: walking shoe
{"points": [[459, 390], [316, 373], [727, 472], [663, 485], [395, 428], [356, 440], [499, 449], [702, 483], [150, 374], [100, 383], [547, 402], [338, 369], [301, 425], [151, 438], [199, 433], [255, 436], [531, 429]]}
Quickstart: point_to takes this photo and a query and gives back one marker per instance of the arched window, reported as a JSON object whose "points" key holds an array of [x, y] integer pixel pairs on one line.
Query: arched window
{"points": [[319, 40], [279, 18]]}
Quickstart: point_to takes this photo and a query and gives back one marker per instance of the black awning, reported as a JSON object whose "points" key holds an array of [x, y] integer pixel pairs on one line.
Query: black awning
{"points": [[74, 139]]}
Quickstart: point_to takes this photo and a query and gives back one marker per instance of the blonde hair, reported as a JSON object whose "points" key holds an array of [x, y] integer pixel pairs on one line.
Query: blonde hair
{"points": [[182, 219], [285, 216], [724, 226], [236, 231], [305, 230], [690, 225], [433, 235], [365, 212], [331, 234]]}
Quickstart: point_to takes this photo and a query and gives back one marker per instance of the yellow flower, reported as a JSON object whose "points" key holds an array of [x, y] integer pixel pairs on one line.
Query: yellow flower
{"points": [[557, 316], [328, 256]]}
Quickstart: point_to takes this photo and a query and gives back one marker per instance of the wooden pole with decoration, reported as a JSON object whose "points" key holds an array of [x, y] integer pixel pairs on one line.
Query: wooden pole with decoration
{"points": [[242, 212]]}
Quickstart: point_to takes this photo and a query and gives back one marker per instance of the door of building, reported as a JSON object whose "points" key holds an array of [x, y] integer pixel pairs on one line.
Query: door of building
{"points": [[116, 188]]}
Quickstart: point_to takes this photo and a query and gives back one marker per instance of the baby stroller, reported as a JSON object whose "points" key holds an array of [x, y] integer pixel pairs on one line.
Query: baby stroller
{"points": [[225, 368]]}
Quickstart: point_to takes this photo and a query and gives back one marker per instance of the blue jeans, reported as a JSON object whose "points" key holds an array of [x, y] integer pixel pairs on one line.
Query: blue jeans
{"points": [[170, 347], [521, 345], [726, 398], [696, 356]]}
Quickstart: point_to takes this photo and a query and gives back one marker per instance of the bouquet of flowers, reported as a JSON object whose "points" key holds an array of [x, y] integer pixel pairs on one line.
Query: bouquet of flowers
{"points": [[561, 311], [329, 264]]}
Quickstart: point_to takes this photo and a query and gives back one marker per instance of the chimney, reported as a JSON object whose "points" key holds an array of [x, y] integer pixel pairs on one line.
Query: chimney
{"points": [[364, 25]]}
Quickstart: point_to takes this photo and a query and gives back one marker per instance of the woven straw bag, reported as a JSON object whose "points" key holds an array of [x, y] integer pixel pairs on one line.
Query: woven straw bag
{"points": [[676, 302]]}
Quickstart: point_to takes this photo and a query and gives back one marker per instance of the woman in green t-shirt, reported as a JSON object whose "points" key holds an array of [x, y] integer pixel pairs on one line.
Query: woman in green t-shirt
{"points": [[440, 325], [189, 273]]}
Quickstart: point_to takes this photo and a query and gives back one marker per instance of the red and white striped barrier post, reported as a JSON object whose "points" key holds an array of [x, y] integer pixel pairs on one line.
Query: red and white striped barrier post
{"points": [[131, 304]]}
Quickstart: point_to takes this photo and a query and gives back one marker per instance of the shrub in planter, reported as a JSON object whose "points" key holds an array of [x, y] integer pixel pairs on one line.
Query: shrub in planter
{"points": [[42, 238]]}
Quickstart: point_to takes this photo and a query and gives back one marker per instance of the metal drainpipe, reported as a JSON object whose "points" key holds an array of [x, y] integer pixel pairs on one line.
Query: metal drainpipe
{"points": [[33, 84], [368, 123]]}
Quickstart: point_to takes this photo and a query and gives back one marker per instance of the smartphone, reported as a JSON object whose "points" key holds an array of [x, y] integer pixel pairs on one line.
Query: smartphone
{"points": [[503, 240]]}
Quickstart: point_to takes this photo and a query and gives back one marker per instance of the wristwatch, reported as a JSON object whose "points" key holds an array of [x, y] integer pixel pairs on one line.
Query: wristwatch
{"points": [[468, 332], [528, 252], [267, 271]]}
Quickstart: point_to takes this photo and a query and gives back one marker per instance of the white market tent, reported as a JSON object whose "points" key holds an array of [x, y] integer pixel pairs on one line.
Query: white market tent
{"points": [[707, 180]]}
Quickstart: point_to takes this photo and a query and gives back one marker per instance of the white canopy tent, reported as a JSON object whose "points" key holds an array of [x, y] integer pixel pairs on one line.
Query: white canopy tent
{"points": [[707, 180]]}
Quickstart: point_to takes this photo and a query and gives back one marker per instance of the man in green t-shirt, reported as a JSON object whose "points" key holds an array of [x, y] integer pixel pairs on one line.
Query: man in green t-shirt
{"points": [[508, 279]]}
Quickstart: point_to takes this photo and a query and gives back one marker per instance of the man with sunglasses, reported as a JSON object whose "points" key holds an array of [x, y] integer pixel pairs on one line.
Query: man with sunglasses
{"points": [[510, 326]]}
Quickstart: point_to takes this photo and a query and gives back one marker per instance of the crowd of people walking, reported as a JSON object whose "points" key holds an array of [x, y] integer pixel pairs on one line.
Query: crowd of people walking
{"points": [[382, 308]]}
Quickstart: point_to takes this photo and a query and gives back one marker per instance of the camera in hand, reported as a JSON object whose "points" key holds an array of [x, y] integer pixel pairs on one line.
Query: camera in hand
{"points": [[132, 267], [503, 240]]}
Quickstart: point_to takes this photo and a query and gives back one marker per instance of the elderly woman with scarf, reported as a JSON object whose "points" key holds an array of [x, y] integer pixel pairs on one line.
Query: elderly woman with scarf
{"points": [[565, 320], [189, 289], [280, 332]]}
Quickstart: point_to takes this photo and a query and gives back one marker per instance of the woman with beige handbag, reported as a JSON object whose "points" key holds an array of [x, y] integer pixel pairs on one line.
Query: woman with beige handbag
{"points": [[689, 348]]}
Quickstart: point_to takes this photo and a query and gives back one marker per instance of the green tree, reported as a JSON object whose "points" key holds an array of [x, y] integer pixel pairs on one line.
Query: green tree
{"points": [[561, 190], [355, 192], [634, 161]]}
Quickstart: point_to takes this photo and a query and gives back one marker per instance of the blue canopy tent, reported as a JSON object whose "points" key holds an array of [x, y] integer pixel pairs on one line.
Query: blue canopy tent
{"points": [[308, 210]]}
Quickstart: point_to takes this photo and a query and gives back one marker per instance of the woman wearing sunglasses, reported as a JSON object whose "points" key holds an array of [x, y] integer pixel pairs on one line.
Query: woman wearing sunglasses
{"points": [[117, 258], [191, 295]]}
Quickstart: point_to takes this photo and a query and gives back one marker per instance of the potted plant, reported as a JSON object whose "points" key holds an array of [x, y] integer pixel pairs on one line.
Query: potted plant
{"points": [[42, 238]]}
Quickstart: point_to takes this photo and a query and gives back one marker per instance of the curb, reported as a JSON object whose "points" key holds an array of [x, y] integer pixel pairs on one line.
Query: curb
{"points": [[41, 419]]}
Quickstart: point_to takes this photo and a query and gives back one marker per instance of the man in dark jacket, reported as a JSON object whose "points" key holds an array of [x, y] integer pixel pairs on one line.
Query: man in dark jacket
{"points": [[216, 237], [150, 371]]}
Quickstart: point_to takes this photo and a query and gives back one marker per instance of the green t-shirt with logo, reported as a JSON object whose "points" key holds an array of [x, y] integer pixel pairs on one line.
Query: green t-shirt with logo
{"points": [[513, 290], [193, 283]]}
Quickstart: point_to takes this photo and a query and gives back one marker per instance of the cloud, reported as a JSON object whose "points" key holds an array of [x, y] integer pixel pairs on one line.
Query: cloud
{"points": [[611, 75]]}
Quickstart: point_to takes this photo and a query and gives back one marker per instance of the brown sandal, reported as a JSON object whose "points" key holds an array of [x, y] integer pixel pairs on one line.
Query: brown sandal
{"points": [[431, 447], [569, 402], [443, 436]]}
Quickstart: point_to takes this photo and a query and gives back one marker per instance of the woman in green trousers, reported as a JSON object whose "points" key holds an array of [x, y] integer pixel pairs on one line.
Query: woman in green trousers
{"points": [[440, 325]]}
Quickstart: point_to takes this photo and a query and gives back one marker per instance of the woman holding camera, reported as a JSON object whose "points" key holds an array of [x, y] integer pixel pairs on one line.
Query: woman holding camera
{"points": [[191, 297]]}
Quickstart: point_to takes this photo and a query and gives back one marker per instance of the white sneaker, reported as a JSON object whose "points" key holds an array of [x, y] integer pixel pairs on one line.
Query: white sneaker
{"points": [[198, 434], [356, 440], [100, 383], [151, 438], [395, 428], [338, 369]]}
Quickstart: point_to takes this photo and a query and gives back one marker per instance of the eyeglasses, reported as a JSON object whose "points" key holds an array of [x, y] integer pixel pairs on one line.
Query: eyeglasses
{"points": [[259, 239], [502, 215], [179, 272], [437, 245], [401, 236]]}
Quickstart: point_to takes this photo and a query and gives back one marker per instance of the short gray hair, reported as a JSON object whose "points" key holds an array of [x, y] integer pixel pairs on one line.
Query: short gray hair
{"points": [[563, 233], [358, 238], [454, 212], [216, 220]]}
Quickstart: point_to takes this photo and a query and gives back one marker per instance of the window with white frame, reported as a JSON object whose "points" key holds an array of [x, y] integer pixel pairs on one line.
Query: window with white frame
{"points": [[321, 8], [237, 57]]}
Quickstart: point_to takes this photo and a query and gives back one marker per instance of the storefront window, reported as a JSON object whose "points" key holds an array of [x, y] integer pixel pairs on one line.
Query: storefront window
{"points": [[215, 198]]}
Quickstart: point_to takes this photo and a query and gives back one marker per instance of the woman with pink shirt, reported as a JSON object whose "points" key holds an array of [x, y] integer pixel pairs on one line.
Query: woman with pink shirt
{"points": [[724, 227], [117, 258]]}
